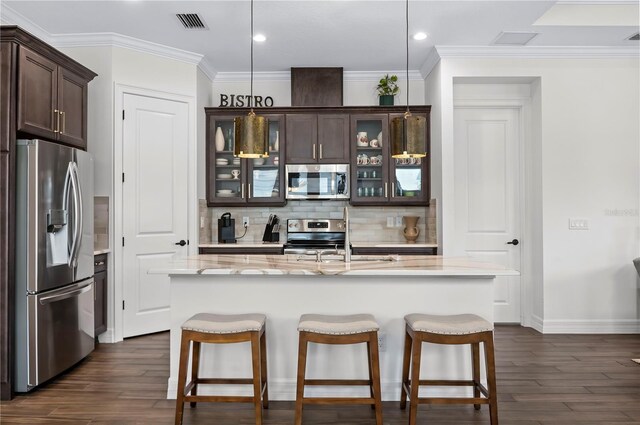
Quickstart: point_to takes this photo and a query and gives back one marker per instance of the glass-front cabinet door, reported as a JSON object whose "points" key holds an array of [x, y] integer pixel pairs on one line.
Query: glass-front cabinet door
{"points": [[233, 181], [376, 177], [266, 183], [409, 177], [370, 162]]}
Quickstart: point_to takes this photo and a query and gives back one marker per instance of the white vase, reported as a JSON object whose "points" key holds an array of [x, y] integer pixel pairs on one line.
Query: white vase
{"points": [[276, 143], [219, 139]]}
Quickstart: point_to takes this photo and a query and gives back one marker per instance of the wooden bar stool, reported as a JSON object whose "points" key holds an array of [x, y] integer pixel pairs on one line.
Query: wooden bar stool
{"points": [[223, 329], [456, 329], [351, 329]]}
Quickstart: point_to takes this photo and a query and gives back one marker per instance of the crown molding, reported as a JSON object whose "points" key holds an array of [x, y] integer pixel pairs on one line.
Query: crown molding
{"points": [[205, 66], [10, 17], [232, 77], [119, 40], [538, 52], [432, 60]]}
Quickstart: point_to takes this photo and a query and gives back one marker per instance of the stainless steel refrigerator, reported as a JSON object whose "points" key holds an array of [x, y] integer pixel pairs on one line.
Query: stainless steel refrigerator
{"points": [[54, 261]]}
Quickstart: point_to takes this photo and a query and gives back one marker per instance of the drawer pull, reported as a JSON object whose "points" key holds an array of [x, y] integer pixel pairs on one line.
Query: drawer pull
{"points": [[99, 263]]}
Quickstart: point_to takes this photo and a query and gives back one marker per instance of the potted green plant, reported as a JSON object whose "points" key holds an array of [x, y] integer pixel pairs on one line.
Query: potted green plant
{"points": [[387, 88]]}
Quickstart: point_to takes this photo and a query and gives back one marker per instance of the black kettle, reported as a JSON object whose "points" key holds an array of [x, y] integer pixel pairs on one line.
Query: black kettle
{"points": [[226, 219]]}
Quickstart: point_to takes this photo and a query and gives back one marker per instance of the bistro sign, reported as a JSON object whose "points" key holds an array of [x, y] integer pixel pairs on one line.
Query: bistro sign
{"points": [[238, 100]]}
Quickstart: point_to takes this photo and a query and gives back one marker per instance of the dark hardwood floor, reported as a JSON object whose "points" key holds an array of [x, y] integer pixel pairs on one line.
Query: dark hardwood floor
{"points": [[542, 379]]}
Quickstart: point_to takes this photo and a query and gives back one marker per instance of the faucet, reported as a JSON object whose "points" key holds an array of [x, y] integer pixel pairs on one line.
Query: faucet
{"points": [[347, 237]]}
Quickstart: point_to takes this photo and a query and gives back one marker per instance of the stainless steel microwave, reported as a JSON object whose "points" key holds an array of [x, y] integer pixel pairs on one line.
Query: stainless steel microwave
{"points": [[317, 181]]}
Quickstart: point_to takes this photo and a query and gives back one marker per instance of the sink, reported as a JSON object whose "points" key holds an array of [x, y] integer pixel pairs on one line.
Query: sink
{"points": [[332, 258]]}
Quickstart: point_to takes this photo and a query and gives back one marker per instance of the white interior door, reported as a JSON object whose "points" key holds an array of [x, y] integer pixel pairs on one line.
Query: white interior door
{"points": [[487, 207], [155, 143]]}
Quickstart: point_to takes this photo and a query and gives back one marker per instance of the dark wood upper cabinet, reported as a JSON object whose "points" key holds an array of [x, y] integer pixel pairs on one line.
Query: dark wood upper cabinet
{"points": [[302, 132], [52, 92], [72, 106], [38, 95], [333, 138], [317, 138]]}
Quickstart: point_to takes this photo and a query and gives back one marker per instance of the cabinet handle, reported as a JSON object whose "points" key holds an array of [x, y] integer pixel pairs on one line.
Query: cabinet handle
{"points": [[99, 263], [64, 122], [57, 118], [242, 190], [314, 151], [249, 194], [385, 189], [393, 190], [320, 150]]}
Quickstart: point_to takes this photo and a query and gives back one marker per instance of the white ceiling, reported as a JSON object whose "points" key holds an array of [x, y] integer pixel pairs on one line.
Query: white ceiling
{"points": [[356, 35]]}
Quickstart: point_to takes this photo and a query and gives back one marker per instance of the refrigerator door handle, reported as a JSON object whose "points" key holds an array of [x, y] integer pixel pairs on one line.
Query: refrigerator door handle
{"points": [[77, 215], [65, 295]]}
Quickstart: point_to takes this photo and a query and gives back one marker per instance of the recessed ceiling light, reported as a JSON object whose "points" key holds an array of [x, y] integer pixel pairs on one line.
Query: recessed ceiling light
{"points": [[259, 38], [419, 36]]}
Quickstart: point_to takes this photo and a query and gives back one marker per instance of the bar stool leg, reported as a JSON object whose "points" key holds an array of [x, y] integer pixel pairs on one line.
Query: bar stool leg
{"points": [[302, 366], [475, 354], [263, 368], [371, 393], [406, 361], [182, 377], [257, 387], [195, 366], [416, 352], [374, 366], [491, 377]]}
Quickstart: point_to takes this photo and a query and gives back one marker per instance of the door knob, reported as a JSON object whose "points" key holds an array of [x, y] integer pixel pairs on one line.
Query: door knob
{"points": [[183, 243], [513, 242]]}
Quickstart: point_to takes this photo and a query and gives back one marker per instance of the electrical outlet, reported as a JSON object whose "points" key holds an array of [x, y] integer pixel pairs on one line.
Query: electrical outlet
{"points": [[398, 221], [390, 221], [382, 341], [578, 224], [245, 221], [202, 222]]}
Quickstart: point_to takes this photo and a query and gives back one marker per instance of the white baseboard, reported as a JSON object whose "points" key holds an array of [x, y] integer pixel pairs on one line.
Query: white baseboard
{"points": [[537, 323], [107, 337], [622, 326], [285, 390]]}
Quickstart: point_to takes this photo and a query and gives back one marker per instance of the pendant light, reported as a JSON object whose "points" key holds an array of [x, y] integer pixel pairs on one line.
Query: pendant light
{"points": [[408, 132], [251, 131]]}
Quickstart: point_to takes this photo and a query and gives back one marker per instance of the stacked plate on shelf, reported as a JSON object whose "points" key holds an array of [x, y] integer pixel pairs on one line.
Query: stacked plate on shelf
{"points": [[223, 176], [225, 193], [222, 161]]}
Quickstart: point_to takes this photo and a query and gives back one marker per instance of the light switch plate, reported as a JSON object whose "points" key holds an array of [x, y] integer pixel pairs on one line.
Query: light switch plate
{"points": [[390, 221], [578, 223], [398, 221]]}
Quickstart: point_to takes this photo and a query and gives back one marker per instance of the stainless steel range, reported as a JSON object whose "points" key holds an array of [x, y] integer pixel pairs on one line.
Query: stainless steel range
{"points": [[305, 236]]}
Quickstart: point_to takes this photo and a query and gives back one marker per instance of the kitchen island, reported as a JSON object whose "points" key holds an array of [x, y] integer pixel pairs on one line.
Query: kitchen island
{"points": [[286, 286]]}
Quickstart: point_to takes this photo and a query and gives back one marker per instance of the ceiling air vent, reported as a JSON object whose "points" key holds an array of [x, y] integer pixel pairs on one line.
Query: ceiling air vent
{"points": [[192, 21], [635, 37], [514, 38]]}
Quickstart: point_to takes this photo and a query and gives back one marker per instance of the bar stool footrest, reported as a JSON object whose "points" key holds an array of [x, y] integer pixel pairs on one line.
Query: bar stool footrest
{"points": [[452, 400], [354, 382], [338, 400], [218, 399]]}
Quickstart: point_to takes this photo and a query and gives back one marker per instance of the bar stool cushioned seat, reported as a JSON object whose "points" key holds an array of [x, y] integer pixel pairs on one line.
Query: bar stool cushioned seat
{"points": [[223, 329], [448, 329], [335, 329]]}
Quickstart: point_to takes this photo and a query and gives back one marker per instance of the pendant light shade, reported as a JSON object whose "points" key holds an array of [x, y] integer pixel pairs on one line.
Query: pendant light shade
{"points": [[408, 133], [251, 131], [251, 134], [408, 136]]}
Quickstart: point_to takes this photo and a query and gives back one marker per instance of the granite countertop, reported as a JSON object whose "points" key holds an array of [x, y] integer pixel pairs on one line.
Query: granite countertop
{"points": [[241, 245], [353, 244], [98, 251], [361, 265]]}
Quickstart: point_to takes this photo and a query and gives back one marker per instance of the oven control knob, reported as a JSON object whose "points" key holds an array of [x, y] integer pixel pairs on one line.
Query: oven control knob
{"points": [[293, 224], [339, 225]]}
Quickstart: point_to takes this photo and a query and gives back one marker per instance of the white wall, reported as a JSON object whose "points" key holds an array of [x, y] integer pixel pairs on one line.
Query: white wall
{"points": [[589, 150], [433, 97], [204, 98]]}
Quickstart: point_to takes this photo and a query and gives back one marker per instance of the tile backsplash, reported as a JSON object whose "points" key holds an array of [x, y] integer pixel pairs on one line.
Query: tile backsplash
{"points": [[368, 224]]}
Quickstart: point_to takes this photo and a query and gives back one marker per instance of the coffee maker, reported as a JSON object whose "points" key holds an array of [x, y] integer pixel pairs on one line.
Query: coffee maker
{"points": [[226, 229]]}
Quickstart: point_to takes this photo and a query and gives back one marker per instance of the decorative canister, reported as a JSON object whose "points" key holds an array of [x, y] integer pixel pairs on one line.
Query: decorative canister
{"points": [[276, 143], [219, 139]]}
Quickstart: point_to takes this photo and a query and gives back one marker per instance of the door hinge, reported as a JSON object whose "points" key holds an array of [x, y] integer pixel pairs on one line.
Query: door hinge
{"points": [[123, 114], [122, 177], [123, 304], [123, 241]]}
